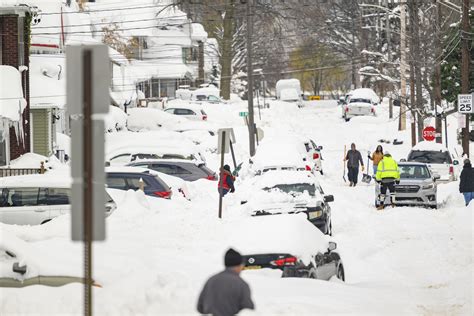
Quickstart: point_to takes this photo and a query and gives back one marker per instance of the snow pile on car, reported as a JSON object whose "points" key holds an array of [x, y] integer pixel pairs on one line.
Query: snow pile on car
{"points": [[292, 234]]}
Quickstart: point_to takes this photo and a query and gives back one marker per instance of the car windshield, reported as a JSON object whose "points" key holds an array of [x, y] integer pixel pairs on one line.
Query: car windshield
{"points": [[414, 172], [430, 156], [359, 100], [294, 188]]}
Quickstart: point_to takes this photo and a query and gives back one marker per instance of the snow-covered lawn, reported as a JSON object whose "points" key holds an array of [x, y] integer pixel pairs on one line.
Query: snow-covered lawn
{"points": [[158, 253]]}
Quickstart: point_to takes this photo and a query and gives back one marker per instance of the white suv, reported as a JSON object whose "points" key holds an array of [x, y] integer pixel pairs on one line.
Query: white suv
{"points": [[37, 199]]}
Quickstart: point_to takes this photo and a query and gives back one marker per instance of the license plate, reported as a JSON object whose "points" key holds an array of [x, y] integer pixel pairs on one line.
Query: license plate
{"points": [[252, 267]]}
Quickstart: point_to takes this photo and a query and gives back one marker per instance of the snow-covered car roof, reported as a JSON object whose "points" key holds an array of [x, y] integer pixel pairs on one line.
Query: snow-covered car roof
{"points": [[292, 234], [151, 119], [151, 161], [37, 180], [189, 106], [365, 93], [430, 146], [278, 154], [274, 177], [129, 169]]}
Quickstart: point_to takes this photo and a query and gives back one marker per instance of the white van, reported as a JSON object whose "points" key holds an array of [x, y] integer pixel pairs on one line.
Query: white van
{"points": [[37, 199]]}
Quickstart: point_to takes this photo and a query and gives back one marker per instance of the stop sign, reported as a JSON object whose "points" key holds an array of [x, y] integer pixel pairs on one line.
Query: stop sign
{"points": [[429, 133]]}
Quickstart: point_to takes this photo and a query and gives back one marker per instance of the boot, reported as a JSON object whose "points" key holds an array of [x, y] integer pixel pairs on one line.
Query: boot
{"points": [[380, 207], [351, 184]]}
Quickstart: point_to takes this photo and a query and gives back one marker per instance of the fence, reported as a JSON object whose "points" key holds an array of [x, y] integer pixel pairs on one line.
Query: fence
{"points": [[10, 172]]}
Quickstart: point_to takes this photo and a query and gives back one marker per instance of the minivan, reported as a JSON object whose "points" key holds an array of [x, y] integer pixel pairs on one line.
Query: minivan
{"points": [[37, 199]]}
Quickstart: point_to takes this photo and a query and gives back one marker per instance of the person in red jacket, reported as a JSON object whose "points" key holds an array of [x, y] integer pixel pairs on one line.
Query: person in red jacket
{"points": [[226, 182]]}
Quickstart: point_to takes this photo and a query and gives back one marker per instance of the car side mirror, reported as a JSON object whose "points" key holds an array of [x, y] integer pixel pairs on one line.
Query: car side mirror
{"points": [[332, 246], [19, 269], [455, 162], [243, 202], [403, 160], [436, 177], [328, 198], [320, 147]]}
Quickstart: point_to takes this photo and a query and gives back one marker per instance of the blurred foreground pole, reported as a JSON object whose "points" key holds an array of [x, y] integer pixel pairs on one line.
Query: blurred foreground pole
{"points": [[465, 67], [403, 84], [250, 79]]}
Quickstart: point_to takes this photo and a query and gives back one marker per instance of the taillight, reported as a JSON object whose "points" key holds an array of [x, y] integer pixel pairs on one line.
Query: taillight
{"points": [[211, 177], [315, 156], [372, 110], [204, 117], [163, 194], [347, 109], [290, 261], [308, 168], [451, 170]]}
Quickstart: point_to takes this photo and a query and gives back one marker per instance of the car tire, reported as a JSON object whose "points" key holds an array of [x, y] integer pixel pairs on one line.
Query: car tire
{"points": [[321, 172], [340, 273], [346, 118]]}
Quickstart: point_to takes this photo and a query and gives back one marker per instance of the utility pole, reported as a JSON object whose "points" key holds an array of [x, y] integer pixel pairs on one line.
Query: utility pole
{"points": [[250, 79], [465, 67], [403, 57], [437, 74]]}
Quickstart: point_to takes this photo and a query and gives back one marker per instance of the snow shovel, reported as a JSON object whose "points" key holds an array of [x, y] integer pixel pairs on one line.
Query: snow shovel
{"points": [[344, 161], [366, 178]]}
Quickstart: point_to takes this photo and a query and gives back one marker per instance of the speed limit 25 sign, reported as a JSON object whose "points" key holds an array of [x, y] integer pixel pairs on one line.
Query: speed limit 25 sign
{"points": [[465, 103]]}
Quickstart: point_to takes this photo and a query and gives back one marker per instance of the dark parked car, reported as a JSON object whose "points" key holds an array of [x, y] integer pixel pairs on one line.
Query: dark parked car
{"points": [[129, 178], [290, 244], [184, 169]]}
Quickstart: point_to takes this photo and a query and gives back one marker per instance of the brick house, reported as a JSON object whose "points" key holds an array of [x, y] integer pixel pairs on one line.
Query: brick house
{"points": [[14, 51]]}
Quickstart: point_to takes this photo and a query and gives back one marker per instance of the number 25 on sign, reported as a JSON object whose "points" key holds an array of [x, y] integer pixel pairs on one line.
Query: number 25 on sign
{"points": [[465, 103]]}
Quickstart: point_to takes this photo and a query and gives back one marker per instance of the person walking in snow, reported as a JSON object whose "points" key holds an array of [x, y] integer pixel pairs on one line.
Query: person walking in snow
{"points": [[353, 158], [226, 293], [387, 176], [226, 181], [466, 183], [377, 155]]}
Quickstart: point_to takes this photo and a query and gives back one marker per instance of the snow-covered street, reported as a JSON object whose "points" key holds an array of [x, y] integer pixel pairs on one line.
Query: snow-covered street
{"points": [[158, 253]]}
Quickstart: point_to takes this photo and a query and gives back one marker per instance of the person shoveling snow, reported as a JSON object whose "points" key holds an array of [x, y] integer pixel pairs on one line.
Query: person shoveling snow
{"points": [[387, 176]]}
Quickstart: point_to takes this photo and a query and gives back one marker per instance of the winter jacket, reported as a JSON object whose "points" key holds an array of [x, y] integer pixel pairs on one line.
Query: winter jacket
{"points": [[227, 181], [353, 158], [387, 169], [466, 183], [224, 294], [376, 157]]}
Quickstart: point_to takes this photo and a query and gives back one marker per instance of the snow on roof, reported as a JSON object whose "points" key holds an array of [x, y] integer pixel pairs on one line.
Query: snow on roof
{"points": [[429, 146], [12, 103], [47, 81], [275, 177], [291, 234], [365, 93], [151, 119], [198, 32], [52, 180], [205, 91], [172, 37]]}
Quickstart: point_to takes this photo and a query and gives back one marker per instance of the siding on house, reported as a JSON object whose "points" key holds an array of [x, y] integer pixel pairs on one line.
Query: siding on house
{"points": [[42, 136]]}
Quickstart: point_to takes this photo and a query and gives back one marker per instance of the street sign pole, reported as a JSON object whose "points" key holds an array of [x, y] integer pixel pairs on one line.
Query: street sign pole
{"points": [[233, 154], [87, 159], [221, 171], [466, 107]]}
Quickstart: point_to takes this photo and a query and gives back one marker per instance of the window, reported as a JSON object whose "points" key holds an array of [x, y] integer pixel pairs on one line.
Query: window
{"points": [[430, 156], [115, 182], [3, 152], [171, 111], [144, 156], [190, 54], [134, 183], [19, 197], [414, 172], [213, 98], [183, 112], [296, 188], [57, 196], [170, 169]]}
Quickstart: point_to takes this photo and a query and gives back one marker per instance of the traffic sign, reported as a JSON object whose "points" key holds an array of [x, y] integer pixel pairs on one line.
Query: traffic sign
{"points": [[465, 103], [225, 136], [243, 114], [429, 133]]}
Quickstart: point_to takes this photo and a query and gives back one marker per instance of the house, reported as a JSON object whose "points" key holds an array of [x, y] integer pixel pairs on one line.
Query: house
{"points": [[15, 90]]}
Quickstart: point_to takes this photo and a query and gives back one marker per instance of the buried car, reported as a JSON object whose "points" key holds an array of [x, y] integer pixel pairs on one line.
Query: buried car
{"points": [[288, 243], [417, 186], [289, 192]]}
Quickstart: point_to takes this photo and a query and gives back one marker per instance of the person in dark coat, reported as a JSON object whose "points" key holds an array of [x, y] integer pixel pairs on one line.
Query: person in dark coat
{"points": [[226, 181], [466, 183], [226, 293], [353, 159]]}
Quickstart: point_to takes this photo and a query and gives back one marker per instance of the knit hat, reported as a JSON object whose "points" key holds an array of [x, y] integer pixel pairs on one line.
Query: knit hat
{"points": [[467, 161], [387, 153], [232, 258], [227, 167]]}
